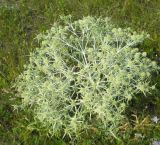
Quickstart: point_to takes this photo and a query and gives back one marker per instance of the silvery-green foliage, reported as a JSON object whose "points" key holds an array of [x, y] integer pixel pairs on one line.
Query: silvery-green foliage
{"points": [[83, 76]]}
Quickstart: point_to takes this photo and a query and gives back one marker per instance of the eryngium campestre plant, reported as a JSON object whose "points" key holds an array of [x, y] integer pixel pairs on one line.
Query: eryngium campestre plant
{"points": [[83, 75]]}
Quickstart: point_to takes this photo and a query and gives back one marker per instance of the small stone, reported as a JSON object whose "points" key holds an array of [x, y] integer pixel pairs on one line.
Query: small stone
{"points": [[156, 143]]}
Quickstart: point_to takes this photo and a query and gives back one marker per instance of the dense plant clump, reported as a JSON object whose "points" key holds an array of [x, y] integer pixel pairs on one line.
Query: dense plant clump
{"points": [[83, 75]]}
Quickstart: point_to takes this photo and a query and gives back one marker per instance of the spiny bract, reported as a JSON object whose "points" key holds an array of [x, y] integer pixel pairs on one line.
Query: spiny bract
{"points": [[83, 75]]}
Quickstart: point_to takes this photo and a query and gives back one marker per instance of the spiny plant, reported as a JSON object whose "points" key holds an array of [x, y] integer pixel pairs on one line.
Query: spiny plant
{"points": [[83, 75]]}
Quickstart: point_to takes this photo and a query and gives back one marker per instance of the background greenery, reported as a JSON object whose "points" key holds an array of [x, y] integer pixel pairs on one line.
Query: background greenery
{"points": [[22, 20]]}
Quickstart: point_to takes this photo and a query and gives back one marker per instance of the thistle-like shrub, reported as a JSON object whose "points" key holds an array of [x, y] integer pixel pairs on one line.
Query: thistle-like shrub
{"points": [[83, 75]]}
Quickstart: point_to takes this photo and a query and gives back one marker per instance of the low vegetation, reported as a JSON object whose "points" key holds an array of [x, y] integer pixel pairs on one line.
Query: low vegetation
{"points": [[20, 23]]}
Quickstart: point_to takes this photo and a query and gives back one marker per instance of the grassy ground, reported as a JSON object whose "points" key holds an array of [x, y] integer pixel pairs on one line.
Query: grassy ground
{"points": [[22, 20]]}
